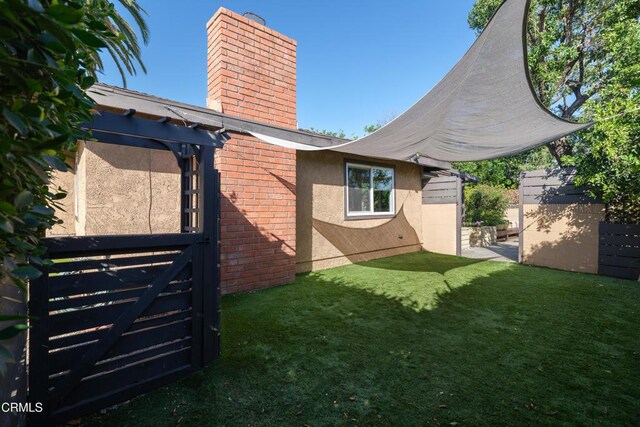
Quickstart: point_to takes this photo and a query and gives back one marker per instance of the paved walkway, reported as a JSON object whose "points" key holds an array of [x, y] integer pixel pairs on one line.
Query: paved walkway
{"points": [[502, 251]]}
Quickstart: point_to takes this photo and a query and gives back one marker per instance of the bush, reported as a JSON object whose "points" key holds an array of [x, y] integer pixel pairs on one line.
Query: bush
{"points": [[49, 55], [485, 205]]}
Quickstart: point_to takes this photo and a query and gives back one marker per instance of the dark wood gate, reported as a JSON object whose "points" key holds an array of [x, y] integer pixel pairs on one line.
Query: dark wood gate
{"points": [[116, 316], [619, 251]]}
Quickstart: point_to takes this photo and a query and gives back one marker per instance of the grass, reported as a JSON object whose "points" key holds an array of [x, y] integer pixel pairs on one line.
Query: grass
{"points": [[414, 340]]}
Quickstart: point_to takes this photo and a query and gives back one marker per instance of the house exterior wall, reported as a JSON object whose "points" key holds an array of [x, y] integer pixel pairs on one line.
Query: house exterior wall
{"points": [[252, 75], [325, 238], [66, 213], [439, 228], [562, 236], [258, 214], [121, 190], [513, 216]]}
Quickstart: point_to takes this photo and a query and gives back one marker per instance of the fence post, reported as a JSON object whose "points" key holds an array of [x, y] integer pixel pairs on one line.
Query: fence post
{"points": [[210, 266], [521, 216], [459, 207], [39, 348]]}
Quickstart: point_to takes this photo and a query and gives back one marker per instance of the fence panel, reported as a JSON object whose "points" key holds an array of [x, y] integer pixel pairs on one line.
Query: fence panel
{"points": [[619, 250]]}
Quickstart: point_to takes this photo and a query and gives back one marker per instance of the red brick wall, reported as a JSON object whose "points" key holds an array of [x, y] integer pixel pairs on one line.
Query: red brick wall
{"points": [[251, 70], [251, 73]]}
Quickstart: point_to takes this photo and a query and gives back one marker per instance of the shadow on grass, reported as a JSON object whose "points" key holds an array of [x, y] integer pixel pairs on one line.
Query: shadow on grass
{"points": [[482, 343], [434, 263]]}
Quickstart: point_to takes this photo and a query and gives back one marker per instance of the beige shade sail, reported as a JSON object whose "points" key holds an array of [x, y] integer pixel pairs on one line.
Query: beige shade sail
{"points": [[484, 108]]}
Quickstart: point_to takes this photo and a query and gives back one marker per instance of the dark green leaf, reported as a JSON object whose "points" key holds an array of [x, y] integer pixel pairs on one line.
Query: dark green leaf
{"points": [[55, 163], [89, 38], [42, 210], [23, 199], [15, 121], [5, 355], [36, 5], [7, 317], [8, 208], [6, 225], [26, 272], [12, 331], [65, 14]]}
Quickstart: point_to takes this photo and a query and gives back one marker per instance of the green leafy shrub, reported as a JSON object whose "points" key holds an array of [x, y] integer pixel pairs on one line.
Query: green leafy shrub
{"points": [[485, 205], [49, 55]]}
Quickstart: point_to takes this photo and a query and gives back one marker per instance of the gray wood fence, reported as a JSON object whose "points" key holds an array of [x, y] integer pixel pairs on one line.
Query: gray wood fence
{"points": [[619, 250]]}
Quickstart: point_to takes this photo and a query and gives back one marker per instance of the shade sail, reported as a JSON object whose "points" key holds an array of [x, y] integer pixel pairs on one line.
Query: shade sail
{"points": [[484, 108]]}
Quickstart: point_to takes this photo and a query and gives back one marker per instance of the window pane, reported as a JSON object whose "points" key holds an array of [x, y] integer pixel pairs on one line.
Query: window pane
{"points": [[359, 181], [382, 186]]}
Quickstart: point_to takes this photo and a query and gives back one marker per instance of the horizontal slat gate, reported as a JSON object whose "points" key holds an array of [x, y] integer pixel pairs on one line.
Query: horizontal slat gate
{"points": [[115, 316], [619, 251]]}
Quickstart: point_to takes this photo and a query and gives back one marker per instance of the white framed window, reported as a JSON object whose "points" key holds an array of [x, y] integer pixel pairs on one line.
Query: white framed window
{"points": [[370, 190]]}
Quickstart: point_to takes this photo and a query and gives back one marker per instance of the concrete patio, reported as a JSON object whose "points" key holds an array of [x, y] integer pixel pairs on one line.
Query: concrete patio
{"points": [[502, 251]]}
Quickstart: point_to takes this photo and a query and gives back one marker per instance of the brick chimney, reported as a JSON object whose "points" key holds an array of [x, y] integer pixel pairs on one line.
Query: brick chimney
{"points": [[252, 75], [251, 70]]}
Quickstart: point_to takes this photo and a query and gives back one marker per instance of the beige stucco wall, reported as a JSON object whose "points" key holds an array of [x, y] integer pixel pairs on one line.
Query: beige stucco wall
{"points": [[326, 239], [478, 236], [122, 190], [513, 216], [65, 212], [439, 228], [562, 236]]}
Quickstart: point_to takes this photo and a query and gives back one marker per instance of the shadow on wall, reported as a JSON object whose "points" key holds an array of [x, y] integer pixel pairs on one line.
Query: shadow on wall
{"points": [[135, 159], [127, 190], [562, 236], [358, 243], [325, 238], [252, 256]]}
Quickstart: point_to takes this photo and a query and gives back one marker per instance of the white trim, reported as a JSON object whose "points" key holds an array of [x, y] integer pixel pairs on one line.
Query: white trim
{"points": [[392, 195]]}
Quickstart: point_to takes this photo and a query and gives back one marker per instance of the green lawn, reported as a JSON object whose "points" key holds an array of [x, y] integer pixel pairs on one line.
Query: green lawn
{"points": [[414, 340]]}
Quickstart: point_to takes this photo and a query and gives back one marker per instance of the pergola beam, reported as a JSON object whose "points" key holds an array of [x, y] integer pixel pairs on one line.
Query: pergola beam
{"points": [[129, 125]]}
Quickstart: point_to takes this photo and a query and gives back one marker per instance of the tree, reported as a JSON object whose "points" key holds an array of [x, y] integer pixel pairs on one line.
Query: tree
{"points": [[485, 205], [607, 158], [335, 134], [505, 172], [379, 123], [584, 58], [49, 55], [576, 48]]}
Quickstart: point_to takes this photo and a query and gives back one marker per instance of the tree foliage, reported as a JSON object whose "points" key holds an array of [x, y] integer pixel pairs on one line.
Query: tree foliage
{"points": [[505, 172], [335, 134], [485, 204], [49, 55], [584, 59]]}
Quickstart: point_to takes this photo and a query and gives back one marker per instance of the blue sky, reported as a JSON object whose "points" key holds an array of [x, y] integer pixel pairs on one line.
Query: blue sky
{"points": [[358, 61]]}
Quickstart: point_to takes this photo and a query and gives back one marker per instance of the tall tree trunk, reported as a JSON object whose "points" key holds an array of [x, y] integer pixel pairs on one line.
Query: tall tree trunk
{"points": [[560, 148]]}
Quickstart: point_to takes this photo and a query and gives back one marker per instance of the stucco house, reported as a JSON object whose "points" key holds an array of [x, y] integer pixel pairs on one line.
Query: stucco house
{"points": [[283, 211]]}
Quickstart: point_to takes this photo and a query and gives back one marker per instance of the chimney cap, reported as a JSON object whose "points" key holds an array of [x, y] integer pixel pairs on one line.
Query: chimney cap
{"points": [[260, 20]]}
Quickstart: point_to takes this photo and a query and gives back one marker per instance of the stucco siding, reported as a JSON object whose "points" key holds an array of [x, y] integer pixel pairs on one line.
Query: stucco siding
{"points": [[66, 211], [562, 236], [325, 238], [121, 190], [439, 228]]}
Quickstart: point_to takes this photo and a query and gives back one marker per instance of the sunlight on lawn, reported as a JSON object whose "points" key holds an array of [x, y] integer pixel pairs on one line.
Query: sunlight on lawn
{"points": [[412, 280], [417, 339]]}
